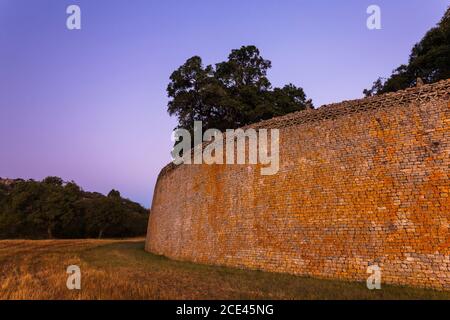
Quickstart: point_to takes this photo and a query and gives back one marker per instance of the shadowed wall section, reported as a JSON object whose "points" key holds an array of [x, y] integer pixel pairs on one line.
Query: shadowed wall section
{"points": [[360, 182]]}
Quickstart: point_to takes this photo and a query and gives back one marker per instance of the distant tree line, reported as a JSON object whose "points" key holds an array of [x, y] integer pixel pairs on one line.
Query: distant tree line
{"points": [[429, 60], [56, 209]]}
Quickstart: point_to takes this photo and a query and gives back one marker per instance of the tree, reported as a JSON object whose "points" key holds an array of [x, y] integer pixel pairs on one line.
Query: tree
{"points": [[231, 94], [429, 60], [55, 181], [377, 86], [102, 215], [56, 205], [245, 68], [190, 89], [288, 99], [54, 209], [114, 194]]}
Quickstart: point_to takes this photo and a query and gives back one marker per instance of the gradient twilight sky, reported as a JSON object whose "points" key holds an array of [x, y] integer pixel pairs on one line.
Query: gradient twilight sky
{"points": [[90, 105]]}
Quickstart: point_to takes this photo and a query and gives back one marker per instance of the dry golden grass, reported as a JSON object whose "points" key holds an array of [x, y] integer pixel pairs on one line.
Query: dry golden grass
{"points": [[121, 269]]}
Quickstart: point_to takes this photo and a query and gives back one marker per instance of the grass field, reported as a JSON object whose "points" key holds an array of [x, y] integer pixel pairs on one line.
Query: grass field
{"points": [[121, 269]]}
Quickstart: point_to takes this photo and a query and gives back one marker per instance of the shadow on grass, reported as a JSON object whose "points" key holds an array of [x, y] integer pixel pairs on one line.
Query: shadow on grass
{"points": [[243, 284]]}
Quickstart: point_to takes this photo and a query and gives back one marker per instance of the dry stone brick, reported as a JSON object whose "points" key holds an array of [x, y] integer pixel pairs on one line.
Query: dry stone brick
{"points": [[360, 182]]}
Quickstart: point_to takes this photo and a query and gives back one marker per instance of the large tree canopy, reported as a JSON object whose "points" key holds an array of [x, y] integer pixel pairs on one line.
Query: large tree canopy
{"points": [[230, 94], [429, 60]]}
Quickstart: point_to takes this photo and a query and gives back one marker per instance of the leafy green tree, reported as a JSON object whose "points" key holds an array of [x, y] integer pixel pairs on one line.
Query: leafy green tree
{"points": [[231, 94], [58, 208], [114, 194], [245, 68], [429, 60], [190, 88], [55, 181], [102, 215], [377, 86], [54, 209], [288, 99], [71, 222]]}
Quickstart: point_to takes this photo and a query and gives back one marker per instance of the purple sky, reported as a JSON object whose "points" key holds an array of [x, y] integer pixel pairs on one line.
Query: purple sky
{"points": [[90, 105]]}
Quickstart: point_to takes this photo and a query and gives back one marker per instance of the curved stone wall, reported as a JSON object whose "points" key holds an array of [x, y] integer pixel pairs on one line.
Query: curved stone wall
{"points": [[360, 183]]}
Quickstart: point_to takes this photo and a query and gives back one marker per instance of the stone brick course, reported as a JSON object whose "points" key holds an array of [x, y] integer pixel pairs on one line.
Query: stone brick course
{"points": [[360, 182]]}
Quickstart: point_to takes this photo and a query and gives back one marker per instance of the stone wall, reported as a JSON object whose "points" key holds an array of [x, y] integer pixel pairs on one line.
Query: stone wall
{"points": [[361, 182]]}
